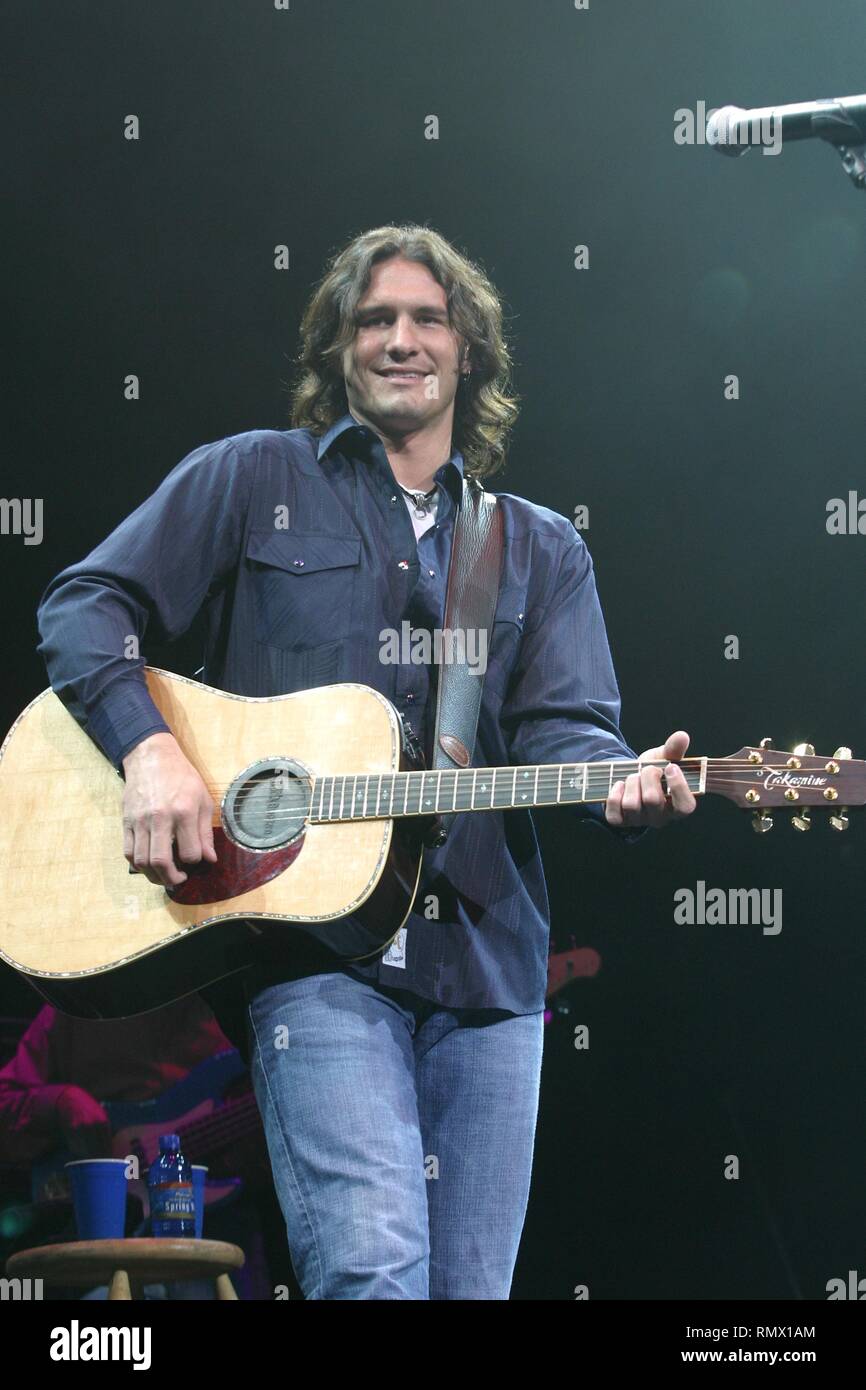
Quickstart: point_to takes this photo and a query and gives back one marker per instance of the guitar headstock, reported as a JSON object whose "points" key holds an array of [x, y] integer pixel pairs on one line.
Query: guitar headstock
{"points": [[765, 778]]}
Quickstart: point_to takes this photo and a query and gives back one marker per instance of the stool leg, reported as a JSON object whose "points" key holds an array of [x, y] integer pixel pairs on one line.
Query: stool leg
{"points": [[224, 1287], [119, 1286]]}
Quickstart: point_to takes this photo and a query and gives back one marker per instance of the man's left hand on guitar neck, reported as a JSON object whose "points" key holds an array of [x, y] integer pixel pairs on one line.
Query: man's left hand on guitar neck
{"points": [[639, 799]]}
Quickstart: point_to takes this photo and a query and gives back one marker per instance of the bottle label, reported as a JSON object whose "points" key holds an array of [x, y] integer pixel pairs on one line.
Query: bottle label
{"points": [[172, 1201]]}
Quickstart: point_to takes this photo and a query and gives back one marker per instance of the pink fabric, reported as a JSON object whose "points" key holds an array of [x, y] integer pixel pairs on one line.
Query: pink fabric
{"points": [[118, 1059]]}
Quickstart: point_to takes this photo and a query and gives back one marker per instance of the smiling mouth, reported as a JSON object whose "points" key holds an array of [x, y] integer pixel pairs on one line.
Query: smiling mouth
{"points": [[402, 376]]}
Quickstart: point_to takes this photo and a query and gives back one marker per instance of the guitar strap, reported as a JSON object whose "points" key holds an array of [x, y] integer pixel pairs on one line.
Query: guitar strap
{"points": [[471, 591]]}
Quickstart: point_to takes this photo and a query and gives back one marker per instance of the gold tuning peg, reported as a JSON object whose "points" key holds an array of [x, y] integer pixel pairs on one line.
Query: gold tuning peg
{"points": [[762, 821], [804, 750], [801, 820], [766, 742], [839, 819]]}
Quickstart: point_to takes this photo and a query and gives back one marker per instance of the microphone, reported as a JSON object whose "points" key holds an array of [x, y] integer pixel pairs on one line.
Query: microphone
{"points": [[839, 120]]}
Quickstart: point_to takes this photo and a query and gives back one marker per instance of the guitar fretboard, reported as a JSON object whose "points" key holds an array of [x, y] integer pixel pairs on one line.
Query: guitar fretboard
{"points": [[386, 795]]}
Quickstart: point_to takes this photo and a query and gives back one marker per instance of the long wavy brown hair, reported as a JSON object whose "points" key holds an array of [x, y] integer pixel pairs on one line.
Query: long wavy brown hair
{"points": [[485, 406]]}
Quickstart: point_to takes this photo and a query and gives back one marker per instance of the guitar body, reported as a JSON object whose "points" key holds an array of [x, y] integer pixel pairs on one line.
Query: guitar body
{"points": [[100, 942]]}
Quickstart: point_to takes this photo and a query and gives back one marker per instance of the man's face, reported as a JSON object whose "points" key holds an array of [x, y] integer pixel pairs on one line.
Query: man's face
{"points": [[401, 371]]}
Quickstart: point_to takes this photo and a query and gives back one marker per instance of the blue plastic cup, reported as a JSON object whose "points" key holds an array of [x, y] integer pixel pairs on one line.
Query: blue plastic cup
{"points": [[99, 1197], [199, 1178]]}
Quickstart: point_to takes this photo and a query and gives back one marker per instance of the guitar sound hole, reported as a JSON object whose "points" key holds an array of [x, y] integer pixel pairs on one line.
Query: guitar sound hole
{"points": [[267, 805]]}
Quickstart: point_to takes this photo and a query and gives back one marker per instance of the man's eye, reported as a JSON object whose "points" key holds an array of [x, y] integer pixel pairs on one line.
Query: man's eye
{"points": [[370, 323]]}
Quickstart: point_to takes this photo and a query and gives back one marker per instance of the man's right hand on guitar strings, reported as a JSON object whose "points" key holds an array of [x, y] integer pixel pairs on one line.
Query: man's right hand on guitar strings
{"points": [[166, 805]]}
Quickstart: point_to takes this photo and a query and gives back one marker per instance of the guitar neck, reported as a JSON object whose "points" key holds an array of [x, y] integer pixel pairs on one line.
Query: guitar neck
{"points": [[374, 796], [235, 1120]]}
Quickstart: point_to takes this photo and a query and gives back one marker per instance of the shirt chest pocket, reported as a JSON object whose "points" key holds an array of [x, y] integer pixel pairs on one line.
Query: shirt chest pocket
{"points": [[506, 635], [304, 586]]}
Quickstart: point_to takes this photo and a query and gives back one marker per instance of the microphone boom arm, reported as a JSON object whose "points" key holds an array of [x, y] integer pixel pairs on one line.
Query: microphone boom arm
{"points": [[840, 122]]}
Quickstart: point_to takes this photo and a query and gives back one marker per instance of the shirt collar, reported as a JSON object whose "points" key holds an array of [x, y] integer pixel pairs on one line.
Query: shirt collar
{"points": [[446, 473]]}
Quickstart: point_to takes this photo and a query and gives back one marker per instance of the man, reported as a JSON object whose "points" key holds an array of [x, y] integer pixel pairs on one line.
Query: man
{"points": [[399, 1096]]}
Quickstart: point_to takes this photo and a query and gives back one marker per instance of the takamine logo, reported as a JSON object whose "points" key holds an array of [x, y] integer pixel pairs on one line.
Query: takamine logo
{"points": [[790, 779]]}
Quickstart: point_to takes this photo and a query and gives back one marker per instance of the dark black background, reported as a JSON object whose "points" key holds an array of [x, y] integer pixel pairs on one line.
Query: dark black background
{"points": [[707, 517]]}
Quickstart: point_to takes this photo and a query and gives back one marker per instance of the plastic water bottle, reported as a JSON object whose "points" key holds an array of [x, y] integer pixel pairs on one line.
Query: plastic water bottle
{"points": [[169, 1183]]}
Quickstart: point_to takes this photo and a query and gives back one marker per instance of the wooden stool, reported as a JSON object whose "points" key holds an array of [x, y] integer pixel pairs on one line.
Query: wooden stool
{"points": [[127, 1265]]}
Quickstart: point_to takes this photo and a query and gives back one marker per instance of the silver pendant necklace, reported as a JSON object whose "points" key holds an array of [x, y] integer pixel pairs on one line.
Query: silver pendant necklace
{"points": [[421, 500]]}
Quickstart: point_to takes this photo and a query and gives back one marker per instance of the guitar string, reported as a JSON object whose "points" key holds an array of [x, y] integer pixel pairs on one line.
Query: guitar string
{"points": [[223, 1134], [238, 1117], [692, 764], [547, 775], [546, 780], [551, 770]]}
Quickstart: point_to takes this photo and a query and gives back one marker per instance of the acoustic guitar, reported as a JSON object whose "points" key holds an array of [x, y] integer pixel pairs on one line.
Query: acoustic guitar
{"points": [[320, 800]]}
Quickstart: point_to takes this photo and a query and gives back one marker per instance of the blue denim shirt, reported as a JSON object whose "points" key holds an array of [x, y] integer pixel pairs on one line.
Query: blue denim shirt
{"points": [[300, 550]]}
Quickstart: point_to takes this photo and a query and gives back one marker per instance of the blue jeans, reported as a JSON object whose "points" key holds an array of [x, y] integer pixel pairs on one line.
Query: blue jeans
{"points": [[400, 1135]]}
